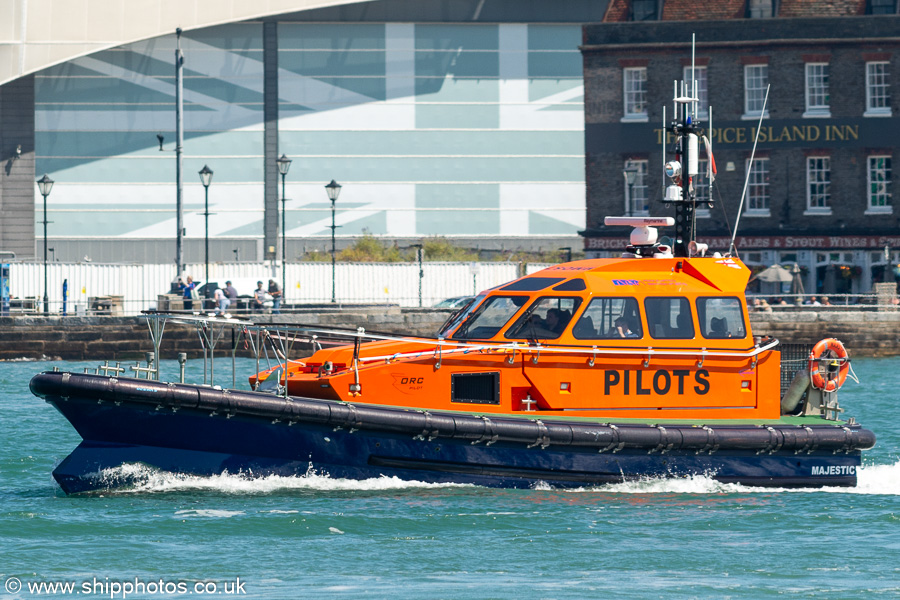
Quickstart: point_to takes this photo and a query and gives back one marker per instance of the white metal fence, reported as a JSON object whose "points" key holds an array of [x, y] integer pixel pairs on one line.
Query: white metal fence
{"points": [[307, 283]]}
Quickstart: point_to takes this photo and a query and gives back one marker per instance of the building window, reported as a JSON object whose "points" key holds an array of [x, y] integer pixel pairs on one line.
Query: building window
{"points": [[636, 203], [878, 93], [644, 10], [635, 82], [700, 77], [758, 188], [759, 9], [818, 185], [701, 188], [817, 100], [756, 80], [879, 184], [881, 7]]}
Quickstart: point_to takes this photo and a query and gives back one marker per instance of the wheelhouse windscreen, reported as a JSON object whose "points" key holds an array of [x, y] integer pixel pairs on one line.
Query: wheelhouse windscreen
{"points": [[609, 319], [457, 317], [546, 319], [489, 318]]}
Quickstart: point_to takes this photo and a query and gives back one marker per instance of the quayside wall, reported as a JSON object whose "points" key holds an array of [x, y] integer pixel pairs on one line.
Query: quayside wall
{"points": [[128, 338], [866, 333]]}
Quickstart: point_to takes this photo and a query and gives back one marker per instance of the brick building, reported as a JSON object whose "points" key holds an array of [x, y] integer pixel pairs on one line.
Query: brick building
{"points": [[819, 192]]}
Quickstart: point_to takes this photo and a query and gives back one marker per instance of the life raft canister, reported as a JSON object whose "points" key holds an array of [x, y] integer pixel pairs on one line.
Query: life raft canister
{"points": [[830, 351]]}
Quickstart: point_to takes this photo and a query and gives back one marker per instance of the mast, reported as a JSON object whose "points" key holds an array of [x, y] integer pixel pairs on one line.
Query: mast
{"points": [[684, 170], [684, 210]]}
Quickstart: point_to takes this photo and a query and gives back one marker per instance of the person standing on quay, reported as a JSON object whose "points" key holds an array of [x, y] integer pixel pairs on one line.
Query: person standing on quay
{"points": [[259, 298], [231, 294], [276, 293], [222, 301], [188, 292]]}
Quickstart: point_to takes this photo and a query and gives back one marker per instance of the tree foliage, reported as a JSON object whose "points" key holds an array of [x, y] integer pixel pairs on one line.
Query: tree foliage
{"points": [[369, 248]]}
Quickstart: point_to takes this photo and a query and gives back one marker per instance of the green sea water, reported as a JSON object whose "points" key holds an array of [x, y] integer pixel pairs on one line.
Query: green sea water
{"points": [[316, 537]]}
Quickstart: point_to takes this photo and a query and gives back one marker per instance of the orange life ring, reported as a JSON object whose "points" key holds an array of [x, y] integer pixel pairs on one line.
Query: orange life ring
{"points": [[829, 348]]}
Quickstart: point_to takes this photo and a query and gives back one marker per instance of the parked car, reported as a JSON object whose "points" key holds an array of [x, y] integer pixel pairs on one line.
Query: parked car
{"points": [[454, 303]]}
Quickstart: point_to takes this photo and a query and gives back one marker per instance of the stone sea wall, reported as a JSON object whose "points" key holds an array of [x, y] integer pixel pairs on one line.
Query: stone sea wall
{"points": [[128, 338], [866, 333]]}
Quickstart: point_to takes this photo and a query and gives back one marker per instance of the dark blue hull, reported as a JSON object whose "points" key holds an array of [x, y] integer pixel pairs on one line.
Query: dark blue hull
{"points": [[125, 428]]}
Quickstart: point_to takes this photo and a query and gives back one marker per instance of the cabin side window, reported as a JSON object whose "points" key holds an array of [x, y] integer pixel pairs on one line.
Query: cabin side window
{"points": [[669, 318], [721, 318], [609, 319], [545, 319], [489, 318]]}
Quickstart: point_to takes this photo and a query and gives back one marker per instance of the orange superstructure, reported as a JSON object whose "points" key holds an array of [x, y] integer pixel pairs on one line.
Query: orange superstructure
{"points": [[647, 338]]}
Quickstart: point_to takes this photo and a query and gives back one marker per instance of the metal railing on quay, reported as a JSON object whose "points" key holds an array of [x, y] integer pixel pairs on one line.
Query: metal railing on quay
{"points": [[127, 289], [819, 302], [118, 306]]}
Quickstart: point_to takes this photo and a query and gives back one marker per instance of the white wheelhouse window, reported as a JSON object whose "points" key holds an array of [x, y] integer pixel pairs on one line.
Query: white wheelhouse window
{"points": [[702, 86], [879, 184], [634, 81], [636, 200], [817, 97], [818, 185], [758, 188], [878, 91], [756, 79]]}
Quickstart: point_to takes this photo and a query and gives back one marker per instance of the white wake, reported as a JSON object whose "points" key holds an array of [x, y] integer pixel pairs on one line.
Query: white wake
{"points": [[872, 480], [143, 479]]}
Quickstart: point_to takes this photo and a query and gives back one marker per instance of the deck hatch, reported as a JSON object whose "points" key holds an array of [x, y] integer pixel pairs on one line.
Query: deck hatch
{"points": [[475, 388]]}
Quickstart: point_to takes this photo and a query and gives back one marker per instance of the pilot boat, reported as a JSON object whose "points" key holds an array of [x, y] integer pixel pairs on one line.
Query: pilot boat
{"points": [[585, 373]]}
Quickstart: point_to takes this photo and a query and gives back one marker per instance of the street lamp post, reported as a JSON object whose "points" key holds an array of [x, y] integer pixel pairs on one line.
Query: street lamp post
{"points": [[334, 190], [420, 254], [284, 165], [179, 152], [206, 175], [45, 184], [630, 174]]}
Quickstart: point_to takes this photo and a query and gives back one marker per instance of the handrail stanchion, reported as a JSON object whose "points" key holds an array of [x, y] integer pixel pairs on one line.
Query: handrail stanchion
{"points": [[182, 359]]}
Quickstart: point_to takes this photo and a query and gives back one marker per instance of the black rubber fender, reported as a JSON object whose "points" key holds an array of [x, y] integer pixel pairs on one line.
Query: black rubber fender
{"points": [[531, 431]]}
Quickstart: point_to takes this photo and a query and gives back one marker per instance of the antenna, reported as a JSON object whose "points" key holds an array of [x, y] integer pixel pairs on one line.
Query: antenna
{"points": [[694, 73], [665, 131], [762, 114]]}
